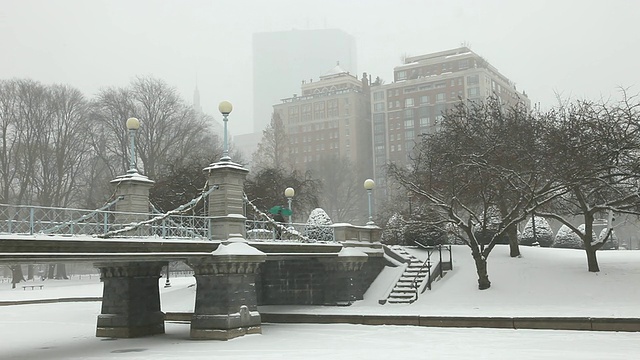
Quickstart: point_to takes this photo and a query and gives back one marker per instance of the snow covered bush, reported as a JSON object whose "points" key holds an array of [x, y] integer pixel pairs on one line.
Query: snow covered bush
{"points": [[543, 235], [424, 228], [566, 238], [453, 234], [318, 226], [394, 231]]}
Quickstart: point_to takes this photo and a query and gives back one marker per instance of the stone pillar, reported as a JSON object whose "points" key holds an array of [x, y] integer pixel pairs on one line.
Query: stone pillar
{"points": [[342, 282], [226, 301], [134, 205], [130, 300], [226, 204]]}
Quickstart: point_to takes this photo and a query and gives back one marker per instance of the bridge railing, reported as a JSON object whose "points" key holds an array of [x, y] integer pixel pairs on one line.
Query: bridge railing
{"points": [[28, 219], [269, 230]]}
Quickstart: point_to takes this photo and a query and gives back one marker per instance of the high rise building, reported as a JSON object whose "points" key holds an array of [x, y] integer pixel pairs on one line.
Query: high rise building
{"points": [[424, 87], [328, 128], [282, 59], [330, 118]]}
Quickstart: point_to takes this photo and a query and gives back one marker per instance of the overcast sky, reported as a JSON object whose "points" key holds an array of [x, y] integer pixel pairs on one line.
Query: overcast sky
{"points": [[575, 48]]}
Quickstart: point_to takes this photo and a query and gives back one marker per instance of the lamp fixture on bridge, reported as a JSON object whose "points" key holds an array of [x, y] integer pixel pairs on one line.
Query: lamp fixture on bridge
{"points": [[289, 193], [369, 185], [225, 109], [133, 124]]}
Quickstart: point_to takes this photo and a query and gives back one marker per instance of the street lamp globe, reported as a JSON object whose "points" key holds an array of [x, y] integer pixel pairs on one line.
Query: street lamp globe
{"points": [[225, 107], [369, 184], [133, 123], [289, 192]]}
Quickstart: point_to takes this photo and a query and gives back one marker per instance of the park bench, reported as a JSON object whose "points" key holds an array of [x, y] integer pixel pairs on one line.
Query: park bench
{"points": [[24, 287]]}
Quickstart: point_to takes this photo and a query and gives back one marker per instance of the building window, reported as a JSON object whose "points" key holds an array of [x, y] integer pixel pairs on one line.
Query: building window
{"points": [[306, 112], [424, 99], [408, 124], [409, 135], [332, 108], [473, 80], [408, 102], [378, 95], [408, 114], [318, 110], [424, 121], [473, 92], [440, 85], [440, 97], [378, 107], [402, 75], [463, 64]]}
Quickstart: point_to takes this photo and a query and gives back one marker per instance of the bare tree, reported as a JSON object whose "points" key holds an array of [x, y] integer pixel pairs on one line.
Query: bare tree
{"points": [[343, 197], [62, 147], [273, 149], [169, 128]]}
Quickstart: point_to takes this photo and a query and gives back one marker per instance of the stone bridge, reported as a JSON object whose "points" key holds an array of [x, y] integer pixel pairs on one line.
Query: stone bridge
{"points": [[233, 275]]}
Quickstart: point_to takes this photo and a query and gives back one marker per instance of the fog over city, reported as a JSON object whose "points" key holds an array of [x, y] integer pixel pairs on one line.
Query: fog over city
{"points": [[574, 49]]}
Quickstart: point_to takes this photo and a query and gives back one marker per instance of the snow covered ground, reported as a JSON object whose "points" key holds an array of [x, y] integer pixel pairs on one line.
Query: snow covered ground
{"points": [[544, 282]]}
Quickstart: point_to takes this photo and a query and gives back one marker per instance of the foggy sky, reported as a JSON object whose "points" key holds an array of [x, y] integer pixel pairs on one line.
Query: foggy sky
{"points": [[577, 49]]}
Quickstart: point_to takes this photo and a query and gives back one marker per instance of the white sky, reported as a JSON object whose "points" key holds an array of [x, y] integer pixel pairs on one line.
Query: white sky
{"points": [[577, 48], [544, 282]]}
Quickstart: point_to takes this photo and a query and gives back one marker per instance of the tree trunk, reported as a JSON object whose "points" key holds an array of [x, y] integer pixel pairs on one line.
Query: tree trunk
{"points": [[51, 272], [483, 275], [514, 248], [30, 272], [16, 275], [592, 259], [61, 272]]}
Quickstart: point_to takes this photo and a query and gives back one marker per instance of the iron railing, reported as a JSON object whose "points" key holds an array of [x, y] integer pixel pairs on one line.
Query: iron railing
{"points": [[29, 219], [427, 266]]}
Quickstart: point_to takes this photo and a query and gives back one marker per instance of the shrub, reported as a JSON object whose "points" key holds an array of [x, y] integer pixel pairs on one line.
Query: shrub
{"points": [[543, 235], [566, 238], [318, 226]]}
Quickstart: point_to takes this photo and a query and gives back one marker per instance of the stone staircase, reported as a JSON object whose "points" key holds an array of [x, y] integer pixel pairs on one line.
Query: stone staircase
{"points": [[405, 290]]}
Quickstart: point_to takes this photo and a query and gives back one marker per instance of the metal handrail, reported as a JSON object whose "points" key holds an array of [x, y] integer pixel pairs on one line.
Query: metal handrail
{"points": [[427, 265]]}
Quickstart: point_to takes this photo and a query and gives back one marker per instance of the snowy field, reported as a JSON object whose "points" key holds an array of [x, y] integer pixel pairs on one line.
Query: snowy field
{"points": [[544, 282]]}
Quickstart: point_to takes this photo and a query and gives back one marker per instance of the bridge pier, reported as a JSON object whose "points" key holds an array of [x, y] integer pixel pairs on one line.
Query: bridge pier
{"points": [[226, 300], [130, 300], [342, 284]]}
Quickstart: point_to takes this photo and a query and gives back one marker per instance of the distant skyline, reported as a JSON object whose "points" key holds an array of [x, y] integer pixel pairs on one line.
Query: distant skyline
{"points": [[571, 48]]}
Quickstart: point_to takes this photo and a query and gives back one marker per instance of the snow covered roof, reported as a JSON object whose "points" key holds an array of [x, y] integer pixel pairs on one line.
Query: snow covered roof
{"points": [[336, 71]]}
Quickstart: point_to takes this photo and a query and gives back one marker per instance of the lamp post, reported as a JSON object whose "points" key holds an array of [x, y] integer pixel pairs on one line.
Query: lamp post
{"points": [[167, 283], [369, 185], [289, 193], [132, 124], [225, 108]]}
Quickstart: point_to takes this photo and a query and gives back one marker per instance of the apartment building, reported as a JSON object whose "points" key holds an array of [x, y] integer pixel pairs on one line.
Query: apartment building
{"points": [[424, 87], [329, 118]]}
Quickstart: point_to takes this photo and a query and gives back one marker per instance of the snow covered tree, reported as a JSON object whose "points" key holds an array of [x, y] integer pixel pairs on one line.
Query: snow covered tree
{"points": [[568, 239], [318, 226], [483, 155], [540, 234], [394, 231], [595, 157], [425, 227]]}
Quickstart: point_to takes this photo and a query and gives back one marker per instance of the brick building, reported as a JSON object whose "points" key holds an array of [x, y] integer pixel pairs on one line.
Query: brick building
{"points": [[423, 88]]}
